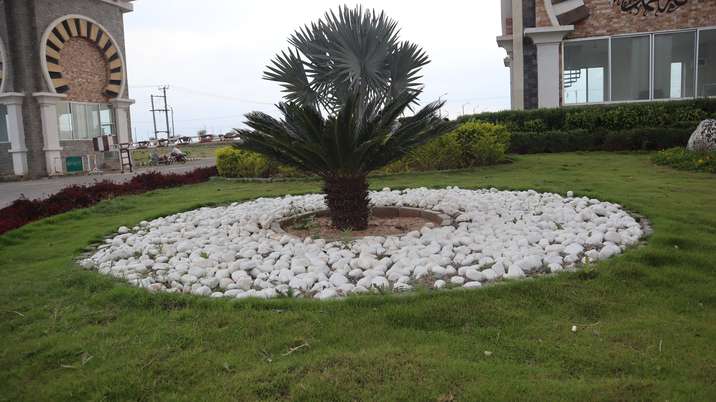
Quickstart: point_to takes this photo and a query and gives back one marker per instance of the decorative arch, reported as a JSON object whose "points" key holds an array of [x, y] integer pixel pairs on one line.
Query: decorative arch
{"points": [[75, 26], [2, 64]]}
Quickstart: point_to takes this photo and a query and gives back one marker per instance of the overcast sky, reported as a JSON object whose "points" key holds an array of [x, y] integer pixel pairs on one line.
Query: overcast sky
{"points": [[212, 54]]}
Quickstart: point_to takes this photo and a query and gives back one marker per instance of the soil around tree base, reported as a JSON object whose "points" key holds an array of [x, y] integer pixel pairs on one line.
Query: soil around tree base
{"points": [[321, 228], [383, 221]]}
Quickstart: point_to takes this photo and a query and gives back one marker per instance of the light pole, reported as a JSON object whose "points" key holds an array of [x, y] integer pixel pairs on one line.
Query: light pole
{"points": [[463, 107], [440, 112]]}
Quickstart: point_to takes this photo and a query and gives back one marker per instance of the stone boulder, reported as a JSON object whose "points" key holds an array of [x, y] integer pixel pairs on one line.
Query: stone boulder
{"points": [[704, 138]]}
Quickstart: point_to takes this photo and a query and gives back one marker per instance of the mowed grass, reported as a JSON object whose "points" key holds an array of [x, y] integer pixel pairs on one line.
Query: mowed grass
{"points": [[646, 320]]}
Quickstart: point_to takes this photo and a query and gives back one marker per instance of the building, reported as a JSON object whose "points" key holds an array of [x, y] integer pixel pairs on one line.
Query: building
{"points": [[63, 85], [569, 52]]}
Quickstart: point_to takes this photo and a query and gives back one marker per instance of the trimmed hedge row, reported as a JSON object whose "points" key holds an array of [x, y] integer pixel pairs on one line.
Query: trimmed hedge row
{"points": [[638, 139], [23, 211], [608, 117]]}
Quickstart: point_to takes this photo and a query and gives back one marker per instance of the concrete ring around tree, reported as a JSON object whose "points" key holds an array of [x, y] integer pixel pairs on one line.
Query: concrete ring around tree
{"points": [[484, 236]]}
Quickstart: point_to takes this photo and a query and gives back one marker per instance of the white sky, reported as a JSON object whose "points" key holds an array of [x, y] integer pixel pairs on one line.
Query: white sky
{"points": [[212, 54]]}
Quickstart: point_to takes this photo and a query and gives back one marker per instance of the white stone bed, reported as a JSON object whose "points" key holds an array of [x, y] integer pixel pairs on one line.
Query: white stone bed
{"points": [[231, 251]]}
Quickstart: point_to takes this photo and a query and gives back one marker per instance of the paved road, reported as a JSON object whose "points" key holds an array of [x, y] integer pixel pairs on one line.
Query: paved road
{"points": [[43, 188]]}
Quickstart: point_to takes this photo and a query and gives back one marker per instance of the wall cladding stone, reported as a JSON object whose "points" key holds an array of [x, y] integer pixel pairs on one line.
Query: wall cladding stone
{"points": [[24, 62], [104, 160], [542, 19], [530, 56], [86, 70], [23, 23], [107, 15], [5, 160], [79, 148], [7, 68], [606, 20]]}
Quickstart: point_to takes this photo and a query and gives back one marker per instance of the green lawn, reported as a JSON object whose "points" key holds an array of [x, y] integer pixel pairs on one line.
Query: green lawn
{"points": [[646, 320]]}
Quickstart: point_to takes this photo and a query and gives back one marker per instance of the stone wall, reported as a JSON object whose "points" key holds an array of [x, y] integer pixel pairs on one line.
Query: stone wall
{"points": [[7, 72], [605, 20], [23, 23], [5, 157], [76, 148], [86, 69], [542, 19], [105, 160], [531, 100], [107, 15], [27, 76], [5, 160]]}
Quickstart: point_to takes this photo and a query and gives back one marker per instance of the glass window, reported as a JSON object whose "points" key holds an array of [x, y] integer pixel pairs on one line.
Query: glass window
{"points": [[64, 120], [674, 65], [707, 63], [79, 121], [106, 120], [586, 71], [631, 78], [3, 124], [93, 126]]}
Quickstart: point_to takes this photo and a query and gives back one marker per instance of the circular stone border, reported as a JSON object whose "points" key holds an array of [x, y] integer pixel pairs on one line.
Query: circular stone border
{"points": [[437, 218], [486, 235]]}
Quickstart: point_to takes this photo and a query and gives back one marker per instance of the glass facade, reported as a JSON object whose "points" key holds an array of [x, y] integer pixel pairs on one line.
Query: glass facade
{"points": [[84, 121], [630, 61], [674, 65], [586, 71], [707, 63], [671, 65]]}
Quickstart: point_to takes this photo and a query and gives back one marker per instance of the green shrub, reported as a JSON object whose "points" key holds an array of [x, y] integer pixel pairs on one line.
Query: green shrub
{"points": [[441, 153], [234, 162], [470, 144], [681, 158], [481, 143], [609, 117]]}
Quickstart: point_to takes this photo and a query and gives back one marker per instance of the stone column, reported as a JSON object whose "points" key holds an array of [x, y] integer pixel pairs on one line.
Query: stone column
{"points": [[16, 131], [549, 70], [518, 62], [121, 116], [50, 131]]}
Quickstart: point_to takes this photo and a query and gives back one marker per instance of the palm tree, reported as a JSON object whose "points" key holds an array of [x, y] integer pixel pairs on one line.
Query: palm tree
{"points": [[348, 81]]}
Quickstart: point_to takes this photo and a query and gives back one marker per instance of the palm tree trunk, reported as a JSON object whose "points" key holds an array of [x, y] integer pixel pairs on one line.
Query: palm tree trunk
{"points": [[348, 202]]}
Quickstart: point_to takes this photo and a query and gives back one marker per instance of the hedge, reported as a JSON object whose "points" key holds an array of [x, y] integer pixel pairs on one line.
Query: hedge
{"points": [[23, 211], [638, 139], [614, 117]]}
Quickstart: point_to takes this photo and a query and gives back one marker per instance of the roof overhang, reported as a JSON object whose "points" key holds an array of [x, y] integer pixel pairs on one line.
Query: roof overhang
{"points": [[548, 34], [125, 5]]}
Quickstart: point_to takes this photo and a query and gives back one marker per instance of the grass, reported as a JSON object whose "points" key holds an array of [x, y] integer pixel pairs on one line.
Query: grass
{"points": [[645, 320]]}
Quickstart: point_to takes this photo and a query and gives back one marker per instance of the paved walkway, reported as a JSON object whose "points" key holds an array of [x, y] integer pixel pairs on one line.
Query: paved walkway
{"points": [[43, 188]]}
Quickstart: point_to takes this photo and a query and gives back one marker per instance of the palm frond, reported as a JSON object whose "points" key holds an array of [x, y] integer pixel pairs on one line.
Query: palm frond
{"points": [[353, 50]]}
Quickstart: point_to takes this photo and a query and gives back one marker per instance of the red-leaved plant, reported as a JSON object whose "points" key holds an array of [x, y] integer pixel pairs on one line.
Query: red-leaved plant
{"points": [[23, 211]]}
